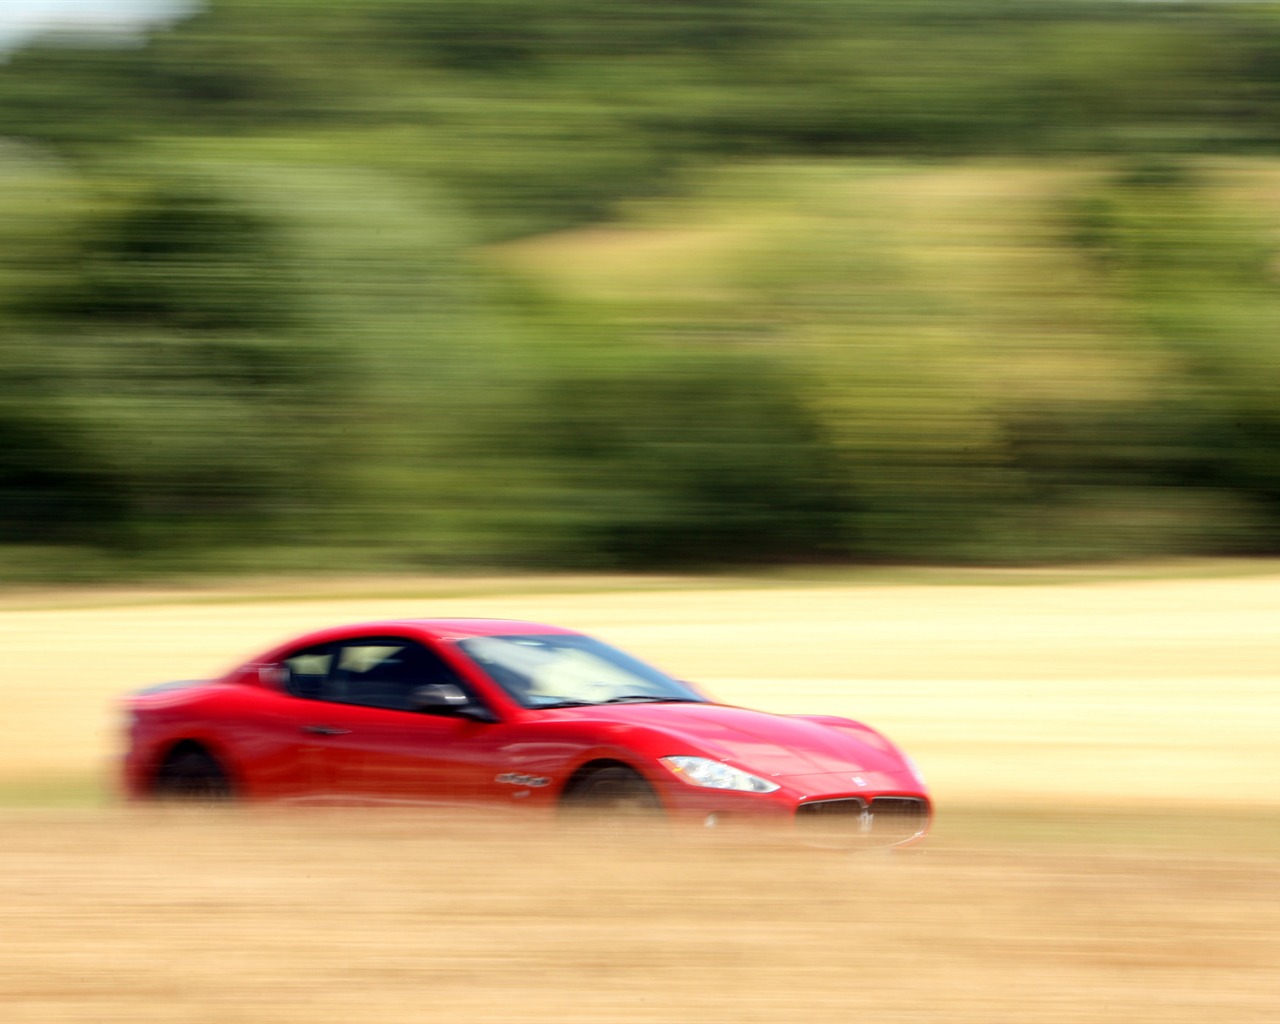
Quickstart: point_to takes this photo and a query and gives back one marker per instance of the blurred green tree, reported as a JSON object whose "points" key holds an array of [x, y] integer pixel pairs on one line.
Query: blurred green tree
{"points": [[694, 458], [247, 292], [167, 344]]}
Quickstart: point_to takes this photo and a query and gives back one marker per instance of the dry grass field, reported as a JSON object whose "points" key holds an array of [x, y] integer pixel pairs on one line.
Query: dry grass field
{"points": [[1103, 752]]}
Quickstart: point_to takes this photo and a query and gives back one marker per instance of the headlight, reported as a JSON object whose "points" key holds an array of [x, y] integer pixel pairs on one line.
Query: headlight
{"points": [[702, 771]]}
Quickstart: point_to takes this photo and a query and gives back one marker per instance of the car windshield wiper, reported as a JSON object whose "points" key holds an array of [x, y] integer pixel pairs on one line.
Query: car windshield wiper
{"points": [[648, 698], [630, 698]]}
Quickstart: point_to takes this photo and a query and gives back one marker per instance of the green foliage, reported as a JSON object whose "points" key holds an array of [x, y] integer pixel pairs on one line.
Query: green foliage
{"points": [[1200, 279], [542, 115], [250, 295], [984, 379], [54, 489], [174, 400], [694, 458], [177, 259]]}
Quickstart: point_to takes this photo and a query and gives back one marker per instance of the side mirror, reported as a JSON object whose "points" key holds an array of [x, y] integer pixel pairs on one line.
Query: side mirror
{"points": [[447, 699]]}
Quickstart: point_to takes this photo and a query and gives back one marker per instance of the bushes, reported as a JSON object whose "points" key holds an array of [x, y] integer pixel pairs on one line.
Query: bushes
{"points": [[693, 458], [248, 296], [177, 386]]}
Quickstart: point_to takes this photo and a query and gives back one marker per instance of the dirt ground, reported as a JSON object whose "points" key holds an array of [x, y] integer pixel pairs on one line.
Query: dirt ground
{"points": [[245, 919], [1103, 753]]}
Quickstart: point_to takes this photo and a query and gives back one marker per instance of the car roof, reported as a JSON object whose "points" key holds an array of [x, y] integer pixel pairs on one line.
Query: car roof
{"points": [[432, 629], [464, 627]]}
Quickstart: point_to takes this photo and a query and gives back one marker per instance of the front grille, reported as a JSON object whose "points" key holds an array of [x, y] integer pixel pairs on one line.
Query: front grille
{"points": [[852, 807], [851, 821], [898, 818]]}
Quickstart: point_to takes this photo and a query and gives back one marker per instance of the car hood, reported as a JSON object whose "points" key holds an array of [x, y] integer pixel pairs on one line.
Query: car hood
{"points": [[767, 744]]}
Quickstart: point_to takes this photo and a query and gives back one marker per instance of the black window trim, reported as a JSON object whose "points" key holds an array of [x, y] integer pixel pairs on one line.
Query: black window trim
{"points": [[334, 648]]}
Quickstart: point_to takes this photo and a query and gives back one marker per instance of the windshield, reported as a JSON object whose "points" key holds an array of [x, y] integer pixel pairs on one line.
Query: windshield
{"points": [[568, 670]]}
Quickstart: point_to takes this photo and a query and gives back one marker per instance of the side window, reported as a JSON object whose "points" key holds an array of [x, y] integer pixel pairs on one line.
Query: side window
{"points": [[306, 672], [384, 673]]}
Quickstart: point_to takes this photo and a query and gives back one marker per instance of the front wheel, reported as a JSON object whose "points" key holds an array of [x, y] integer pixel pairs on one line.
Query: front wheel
{"points": [[615, 791], [192, 776]]}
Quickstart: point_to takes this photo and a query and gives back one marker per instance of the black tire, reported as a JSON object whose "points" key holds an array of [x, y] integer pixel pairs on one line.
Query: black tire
{"points": [[192, 775], [615, 791]]}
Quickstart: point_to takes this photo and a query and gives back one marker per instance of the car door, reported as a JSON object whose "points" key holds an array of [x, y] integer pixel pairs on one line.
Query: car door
{"points": [[371, 746], [304, 675]]}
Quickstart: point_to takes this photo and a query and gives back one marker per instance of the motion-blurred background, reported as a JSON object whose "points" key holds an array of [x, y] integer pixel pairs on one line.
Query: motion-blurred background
{"points": [[453, 288], [635, 283]]}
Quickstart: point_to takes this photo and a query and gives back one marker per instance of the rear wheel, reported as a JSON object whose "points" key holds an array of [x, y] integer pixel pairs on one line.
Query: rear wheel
{"points": [[192, 775], [616, 791]]}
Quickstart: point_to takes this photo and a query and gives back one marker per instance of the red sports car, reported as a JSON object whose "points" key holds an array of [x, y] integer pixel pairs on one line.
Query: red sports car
{"points": [[496, 712]]}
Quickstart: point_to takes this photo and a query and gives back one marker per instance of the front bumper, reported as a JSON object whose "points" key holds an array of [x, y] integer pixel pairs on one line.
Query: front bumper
{"points": [[837, 811]]}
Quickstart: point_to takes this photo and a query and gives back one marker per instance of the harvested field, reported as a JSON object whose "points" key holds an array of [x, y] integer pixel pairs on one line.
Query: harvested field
{"points": [[1025, 694], [115, 917], [1103, 754]]}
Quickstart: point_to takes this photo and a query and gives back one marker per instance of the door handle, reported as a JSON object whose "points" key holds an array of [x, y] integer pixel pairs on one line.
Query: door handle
{"points": [[324, 730]]}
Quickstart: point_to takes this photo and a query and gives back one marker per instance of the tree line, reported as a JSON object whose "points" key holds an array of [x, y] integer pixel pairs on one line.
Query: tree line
{"points": [[249, 308]]}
